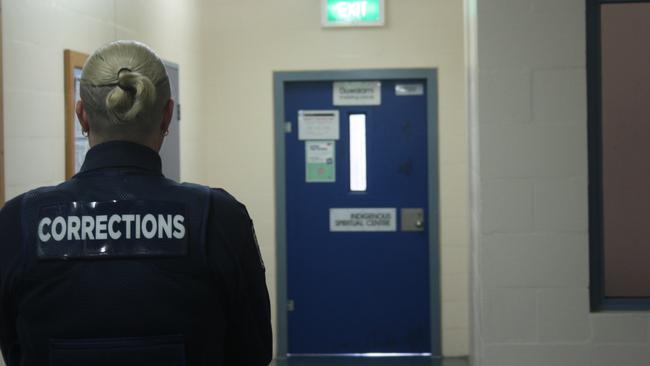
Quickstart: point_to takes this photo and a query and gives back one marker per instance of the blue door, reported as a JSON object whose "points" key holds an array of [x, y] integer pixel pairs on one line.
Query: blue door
{"points": [[358, 271]]}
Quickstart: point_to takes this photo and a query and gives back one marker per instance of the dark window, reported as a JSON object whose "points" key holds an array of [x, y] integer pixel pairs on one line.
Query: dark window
{"points": [[618, 66]]}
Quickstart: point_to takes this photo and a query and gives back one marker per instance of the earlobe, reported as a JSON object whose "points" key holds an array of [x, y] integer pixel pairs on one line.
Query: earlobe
{"points": [[168, 112], [82, 116]]}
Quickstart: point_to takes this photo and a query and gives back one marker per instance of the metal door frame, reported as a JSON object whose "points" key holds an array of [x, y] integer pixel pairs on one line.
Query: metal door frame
{"points": [[279, 80], [177, 135]]}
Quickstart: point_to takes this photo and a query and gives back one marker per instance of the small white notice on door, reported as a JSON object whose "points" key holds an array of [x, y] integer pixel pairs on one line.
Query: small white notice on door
{"points": [[357, 93], [363, 219], [318, 125], [409, 89]]}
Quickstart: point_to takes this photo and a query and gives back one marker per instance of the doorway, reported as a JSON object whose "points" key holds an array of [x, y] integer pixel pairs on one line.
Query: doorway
{"points": [[357, 213]]}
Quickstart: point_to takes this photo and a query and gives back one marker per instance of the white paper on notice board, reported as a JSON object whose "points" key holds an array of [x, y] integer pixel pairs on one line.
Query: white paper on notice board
{"points": [[318, 125]]}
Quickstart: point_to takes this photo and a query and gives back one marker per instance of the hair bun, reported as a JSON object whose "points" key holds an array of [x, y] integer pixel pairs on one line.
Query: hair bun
{"points": [[133, 94]]}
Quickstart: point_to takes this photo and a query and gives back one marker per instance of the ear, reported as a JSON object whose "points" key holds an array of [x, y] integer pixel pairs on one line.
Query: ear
{"points": [[168, 112], [82, 116]]}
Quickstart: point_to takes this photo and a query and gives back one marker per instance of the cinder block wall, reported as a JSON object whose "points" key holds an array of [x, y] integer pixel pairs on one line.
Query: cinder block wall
{"points": [[533, 271]]}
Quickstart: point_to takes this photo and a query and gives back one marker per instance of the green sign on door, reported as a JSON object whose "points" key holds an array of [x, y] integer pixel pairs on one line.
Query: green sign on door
{"points": [[359, 13], [320, 159]]}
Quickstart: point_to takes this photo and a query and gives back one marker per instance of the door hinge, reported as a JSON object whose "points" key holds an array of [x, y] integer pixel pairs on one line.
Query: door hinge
{"points": [[178, 111], [287, 127], [290, 305]]}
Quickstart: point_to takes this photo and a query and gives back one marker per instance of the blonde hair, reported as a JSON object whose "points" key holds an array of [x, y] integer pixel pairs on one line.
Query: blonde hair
{"points": [[124, 88]]}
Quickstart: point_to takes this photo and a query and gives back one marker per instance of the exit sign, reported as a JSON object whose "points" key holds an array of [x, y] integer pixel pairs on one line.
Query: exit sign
{"points": [[353, 13]]}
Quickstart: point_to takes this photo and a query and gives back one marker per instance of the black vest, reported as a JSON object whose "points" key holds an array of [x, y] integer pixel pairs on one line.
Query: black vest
{"points": [[115, 269]]}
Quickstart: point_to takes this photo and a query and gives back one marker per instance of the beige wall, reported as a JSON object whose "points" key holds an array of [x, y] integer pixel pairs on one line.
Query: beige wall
{"points": [[36, 32], [173, 29], [245, 41]]}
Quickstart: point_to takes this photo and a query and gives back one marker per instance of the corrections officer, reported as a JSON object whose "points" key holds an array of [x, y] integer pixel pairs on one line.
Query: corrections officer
{"points": [[119, 265]]}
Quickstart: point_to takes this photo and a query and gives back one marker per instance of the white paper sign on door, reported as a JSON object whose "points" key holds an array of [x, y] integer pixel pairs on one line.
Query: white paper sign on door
{"points": [[357, 93], [318, 125], [409, 89], [363, 219]]}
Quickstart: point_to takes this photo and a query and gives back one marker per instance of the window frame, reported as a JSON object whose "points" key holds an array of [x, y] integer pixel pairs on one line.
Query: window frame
{"points": [[364, 166], [598, 300]]}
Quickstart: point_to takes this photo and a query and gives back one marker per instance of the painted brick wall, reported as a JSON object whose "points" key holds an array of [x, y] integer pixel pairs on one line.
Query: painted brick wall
{"points": [[533, 282]]}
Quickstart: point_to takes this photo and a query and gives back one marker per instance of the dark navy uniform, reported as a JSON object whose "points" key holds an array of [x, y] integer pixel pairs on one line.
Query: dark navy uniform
{"points": [[120, 266]]}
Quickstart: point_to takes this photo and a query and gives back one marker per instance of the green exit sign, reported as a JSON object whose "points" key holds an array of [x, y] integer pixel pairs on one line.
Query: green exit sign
{"points": [[352, 13]]}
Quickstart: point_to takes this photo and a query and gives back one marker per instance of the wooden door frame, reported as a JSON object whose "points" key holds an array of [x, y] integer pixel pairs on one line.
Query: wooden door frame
{"points": [[71, 61]]}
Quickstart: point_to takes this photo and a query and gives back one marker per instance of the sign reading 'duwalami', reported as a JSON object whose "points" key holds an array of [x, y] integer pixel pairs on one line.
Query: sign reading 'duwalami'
{"points": [[363, 219], [357, 93]]}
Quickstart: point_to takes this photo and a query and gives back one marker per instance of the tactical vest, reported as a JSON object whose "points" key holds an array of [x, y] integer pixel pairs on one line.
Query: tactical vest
{"points": [[115, 273]]}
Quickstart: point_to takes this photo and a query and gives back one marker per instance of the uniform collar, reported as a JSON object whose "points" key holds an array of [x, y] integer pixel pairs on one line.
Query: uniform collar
{"points": [[121, 154]]}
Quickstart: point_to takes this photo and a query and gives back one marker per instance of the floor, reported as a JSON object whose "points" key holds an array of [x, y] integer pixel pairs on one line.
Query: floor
{"points": [[371, 361]]}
